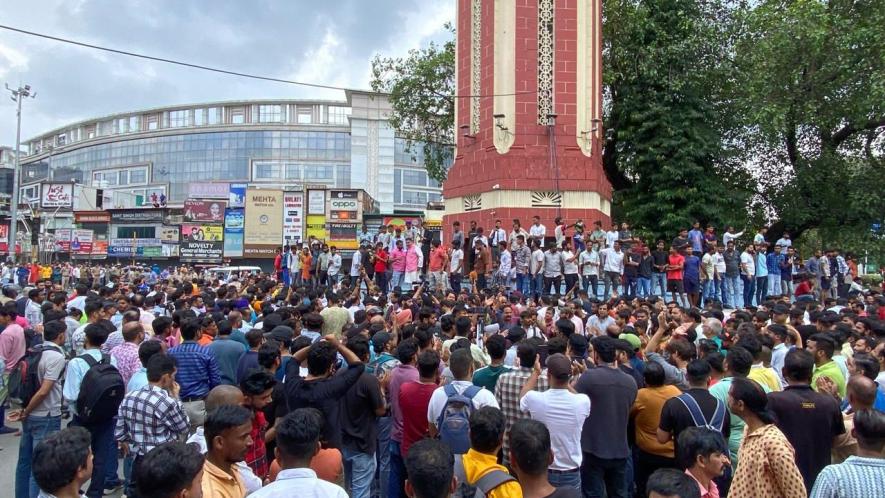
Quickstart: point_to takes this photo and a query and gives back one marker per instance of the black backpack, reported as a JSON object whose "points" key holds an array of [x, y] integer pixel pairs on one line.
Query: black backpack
{"points": [[101, 391], [23, 381]]}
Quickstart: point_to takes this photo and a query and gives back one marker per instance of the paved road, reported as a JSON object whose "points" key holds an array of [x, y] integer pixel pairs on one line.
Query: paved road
{"points": [[9, 458]]}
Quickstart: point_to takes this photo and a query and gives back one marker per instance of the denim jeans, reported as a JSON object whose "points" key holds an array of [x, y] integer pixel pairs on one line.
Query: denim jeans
{"points": [[630, 284], [709, 290], [567, 479], [455, 282], [601, 477], [749, 284], [397, 472], [774, 285], [659, 280], [643, 287], [396, 280], [734, 292], [102, 436], [359, 470], [383, 456], [761, 289], [34, 430], [538, 284], [523, 283]]}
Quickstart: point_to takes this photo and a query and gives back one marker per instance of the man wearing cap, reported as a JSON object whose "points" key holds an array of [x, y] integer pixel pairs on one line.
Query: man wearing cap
{"points": [[563, 412]]}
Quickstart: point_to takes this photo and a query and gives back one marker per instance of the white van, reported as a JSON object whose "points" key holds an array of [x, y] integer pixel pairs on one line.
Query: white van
{"points": [[224, 273]]}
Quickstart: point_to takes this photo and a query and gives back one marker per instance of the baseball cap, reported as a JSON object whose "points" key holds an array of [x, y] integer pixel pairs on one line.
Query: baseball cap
{"points": [[633, 339], [559, 366]]}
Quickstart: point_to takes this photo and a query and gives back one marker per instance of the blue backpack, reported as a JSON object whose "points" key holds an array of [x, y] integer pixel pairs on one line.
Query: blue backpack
{"points": [[454, 421]]}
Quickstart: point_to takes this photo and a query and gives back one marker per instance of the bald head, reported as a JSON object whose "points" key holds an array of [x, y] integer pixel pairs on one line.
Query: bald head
{"points": [[861, 392], [376, 319], [223, 395], [132, 331], [234, 317]]}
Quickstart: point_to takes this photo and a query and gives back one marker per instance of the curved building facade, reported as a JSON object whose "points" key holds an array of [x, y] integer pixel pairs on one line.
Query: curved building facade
{"points": [[338, 144]]}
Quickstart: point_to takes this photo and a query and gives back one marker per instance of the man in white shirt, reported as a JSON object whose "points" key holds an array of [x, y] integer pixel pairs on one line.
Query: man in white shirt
{"points": [[552, 270], [729, 235], [559, 232], [456, 266], [537, 268], [597, 323], [589, 264], [748, 274], [563, 412], [760, 236], [496, 236], [356, 265], [461, 365], [335, 265], [784, 242], [612, 236], [538, 231], [613, 268], [570, 267], [504, 265], [298, 441], [517, 231]]}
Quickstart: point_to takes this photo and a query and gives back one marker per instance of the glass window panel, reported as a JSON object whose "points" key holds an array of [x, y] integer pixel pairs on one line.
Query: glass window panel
{"points": [[199, 117]]}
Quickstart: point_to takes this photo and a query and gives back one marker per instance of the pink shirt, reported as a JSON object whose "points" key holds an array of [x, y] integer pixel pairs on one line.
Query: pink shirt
{"points": [[411, 259], [12, 345], [398, 259], [399, 376], [712, 492], [128, 363]]}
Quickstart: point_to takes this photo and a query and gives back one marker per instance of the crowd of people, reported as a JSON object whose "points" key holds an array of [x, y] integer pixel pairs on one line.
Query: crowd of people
{"points": [[581, 364]]}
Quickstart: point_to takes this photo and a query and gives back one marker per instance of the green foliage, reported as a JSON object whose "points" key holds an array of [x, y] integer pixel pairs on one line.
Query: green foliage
{"points": [[666, 154], [813, 100], [421, 88]]}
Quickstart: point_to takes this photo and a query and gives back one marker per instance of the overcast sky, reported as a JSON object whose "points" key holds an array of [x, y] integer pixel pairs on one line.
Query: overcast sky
{"points": [[322, 41]]}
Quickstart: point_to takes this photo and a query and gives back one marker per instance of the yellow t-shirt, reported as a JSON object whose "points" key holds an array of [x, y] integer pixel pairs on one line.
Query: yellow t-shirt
{"points": [[477, 464], [765, 377], [646, 413], [219, 484]]}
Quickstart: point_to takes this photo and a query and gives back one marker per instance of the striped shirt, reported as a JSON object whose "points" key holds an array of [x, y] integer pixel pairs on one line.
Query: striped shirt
{"points": [[857, 477], [197, 370]]}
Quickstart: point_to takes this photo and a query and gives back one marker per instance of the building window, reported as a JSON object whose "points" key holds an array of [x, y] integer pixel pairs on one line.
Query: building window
{"points": [[199, 117], [305, 114], [61, 139], [136, 232], [153, 122], [138, 176], [338, 115], [214, 117], [134, 123], [318, 172], [269, 114], [414, 178], [414, 198], [177, 119], [267, 171], [293, 171]]}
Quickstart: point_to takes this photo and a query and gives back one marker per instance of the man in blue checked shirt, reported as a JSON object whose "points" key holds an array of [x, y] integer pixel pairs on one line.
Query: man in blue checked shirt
{"points": [[197, 372]]}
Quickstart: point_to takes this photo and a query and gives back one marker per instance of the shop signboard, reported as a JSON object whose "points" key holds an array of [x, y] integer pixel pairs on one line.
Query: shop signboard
{"points": [[81, 241], [343, 235], [263, 227], [201, 243], [63, 240], [316, 227], [237, 195], [316, 202], [343, 205], [293, 218], [204, 211], [56, 195], [233, 233], [214, 190]]}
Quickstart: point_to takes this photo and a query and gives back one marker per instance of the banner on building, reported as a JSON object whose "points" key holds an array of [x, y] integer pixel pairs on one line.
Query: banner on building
{"points": [[201, 243], [233, 233], [81, 241], [293, 218], [199, 190], [343, 235], [204, 211], [138, 216], [237, 195], [56, 195], [263, 228], [316, 227], [316, 202], [400, 221], [99, 249], [63, 240], [169, 234], [343, 205]]}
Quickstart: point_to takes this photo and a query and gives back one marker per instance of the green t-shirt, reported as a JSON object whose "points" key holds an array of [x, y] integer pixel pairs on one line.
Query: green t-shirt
{"points": [[831, 370], [487, 377]]}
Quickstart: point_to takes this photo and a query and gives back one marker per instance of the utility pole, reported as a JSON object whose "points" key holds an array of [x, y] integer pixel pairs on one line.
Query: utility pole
{"points": [[18, 95]]}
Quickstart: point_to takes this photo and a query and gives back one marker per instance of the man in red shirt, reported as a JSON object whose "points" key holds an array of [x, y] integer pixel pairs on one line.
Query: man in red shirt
{"points": [[437, 267], [257, 388], [381, 258], [675, 264], [414, 398]]}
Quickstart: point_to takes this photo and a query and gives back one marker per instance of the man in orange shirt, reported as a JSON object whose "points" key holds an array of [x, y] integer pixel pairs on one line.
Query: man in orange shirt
{"points": [[227, 430], [436, 267]]}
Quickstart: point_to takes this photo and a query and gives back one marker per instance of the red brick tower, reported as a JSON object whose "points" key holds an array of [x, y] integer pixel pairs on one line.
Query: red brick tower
{"points": [[529, 127]]}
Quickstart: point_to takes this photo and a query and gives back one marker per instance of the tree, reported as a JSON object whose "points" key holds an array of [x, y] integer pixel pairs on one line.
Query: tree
{"points": [[422, 89], [666, 152], [813, 100]]}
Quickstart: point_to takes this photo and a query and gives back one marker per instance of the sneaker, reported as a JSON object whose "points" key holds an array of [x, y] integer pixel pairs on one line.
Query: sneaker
{"points": [[111, 489]]}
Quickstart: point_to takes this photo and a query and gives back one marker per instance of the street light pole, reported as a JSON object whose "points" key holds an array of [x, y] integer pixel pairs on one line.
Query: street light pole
{"points": [[18, 95]]}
